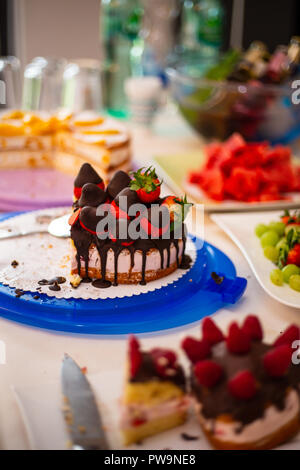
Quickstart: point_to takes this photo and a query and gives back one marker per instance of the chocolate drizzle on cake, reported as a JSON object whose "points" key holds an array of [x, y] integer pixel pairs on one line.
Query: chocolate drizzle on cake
{"points": [[83, 240], [219, 401], [185, 262]]}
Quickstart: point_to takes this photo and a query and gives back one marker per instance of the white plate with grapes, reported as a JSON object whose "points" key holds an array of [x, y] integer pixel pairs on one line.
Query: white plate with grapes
{"points": [[270, 241]]}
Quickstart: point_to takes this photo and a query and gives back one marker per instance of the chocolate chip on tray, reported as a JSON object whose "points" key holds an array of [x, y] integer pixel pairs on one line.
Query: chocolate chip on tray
{"points": [[55, 286], [19, 293], [218, 279]]}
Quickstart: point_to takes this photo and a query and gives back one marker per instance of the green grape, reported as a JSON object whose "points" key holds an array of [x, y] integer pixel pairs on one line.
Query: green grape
{"points": [[278, 227], [272, 253], [269, 238], [260, 229], [276, 277], [289, 270], [294, 282]]}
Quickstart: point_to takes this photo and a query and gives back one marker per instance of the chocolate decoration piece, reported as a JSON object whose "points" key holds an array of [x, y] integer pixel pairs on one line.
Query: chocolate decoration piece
{"points": [[87, 174], [14, 263], [19, 293], [89, 218], [57, 280], [55, 287], [218, 279], [218, 400], [119, 181], [91, 195], [126, 198]]}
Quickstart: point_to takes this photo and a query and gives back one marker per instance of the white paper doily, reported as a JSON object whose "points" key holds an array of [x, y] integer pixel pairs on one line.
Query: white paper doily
{"points": [[42, 256]]}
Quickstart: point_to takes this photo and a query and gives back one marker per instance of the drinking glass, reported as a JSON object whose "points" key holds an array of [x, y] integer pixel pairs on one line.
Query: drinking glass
{"points": [[42, 87], [10, 82], [82, 85]]}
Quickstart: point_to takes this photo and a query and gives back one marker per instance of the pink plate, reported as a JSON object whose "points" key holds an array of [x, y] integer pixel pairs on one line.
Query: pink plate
{"points": [[29, 189]]}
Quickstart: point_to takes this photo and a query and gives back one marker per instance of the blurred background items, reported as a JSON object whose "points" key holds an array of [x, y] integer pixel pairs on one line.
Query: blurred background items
{"points": [[225, 72]]}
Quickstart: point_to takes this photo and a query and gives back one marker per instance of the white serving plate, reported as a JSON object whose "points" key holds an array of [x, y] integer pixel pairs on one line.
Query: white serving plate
{"points": [[41, 410], [173, 169], [240, 228]]}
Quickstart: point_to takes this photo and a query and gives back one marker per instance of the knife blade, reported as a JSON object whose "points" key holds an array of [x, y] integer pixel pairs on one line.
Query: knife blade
{"points": [[80, 410]]}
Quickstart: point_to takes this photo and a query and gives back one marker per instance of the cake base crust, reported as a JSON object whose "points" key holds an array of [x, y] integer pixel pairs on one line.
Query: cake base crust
{"points": [[130, 277], [155, 426], [268, 442]]}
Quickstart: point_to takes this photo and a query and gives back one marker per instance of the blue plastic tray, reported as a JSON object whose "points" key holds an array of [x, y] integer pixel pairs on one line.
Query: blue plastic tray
{"points": [[178, 304]]}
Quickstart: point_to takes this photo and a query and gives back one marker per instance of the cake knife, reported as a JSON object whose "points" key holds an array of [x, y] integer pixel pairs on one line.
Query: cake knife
{"points": [[80, 410]]}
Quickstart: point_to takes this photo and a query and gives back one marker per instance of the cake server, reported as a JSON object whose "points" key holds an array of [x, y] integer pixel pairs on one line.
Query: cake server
{"points": [[58, 227], [80, 409]]}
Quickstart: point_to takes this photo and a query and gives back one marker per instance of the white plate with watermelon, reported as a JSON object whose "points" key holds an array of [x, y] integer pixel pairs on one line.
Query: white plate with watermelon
{"points": [[235, 176], [241, 229]]}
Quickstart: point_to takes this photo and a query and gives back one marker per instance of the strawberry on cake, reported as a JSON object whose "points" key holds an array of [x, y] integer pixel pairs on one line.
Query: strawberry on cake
{"points": [[246, 392], [154, 397], [125, 232]]}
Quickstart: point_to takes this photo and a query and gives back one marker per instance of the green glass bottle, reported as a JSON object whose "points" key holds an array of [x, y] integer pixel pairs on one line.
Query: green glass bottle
{"points": [[210, 26], [120, 22]]}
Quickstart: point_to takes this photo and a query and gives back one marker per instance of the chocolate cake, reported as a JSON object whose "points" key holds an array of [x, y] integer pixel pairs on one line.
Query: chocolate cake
{"points": [[108, 253], [247, 392]]}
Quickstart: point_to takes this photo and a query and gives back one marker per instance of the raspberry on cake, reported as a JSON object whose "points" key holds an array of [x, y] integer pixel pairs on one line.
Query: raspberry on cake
{"points": [[246, 392], [154, 397], [115, 254], [64, 141]]}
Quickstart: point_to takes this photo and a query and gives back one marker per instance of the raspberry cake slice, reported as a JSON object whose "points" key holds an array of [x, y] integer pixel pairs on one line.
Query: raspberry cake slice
{"points": [[154, 397], [114, 258], [246, 392]]}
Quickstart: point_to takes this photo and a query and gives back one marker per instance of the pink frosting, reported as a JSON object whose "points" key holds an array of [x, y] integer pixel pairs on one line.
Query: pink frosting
{"points": [[143, 413], [153, 261]]}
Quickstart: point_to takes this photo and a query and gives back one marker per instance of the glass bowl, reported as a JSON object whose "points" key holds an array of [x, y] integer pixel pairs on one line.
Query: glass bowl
{"points": [[216, 109]]}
